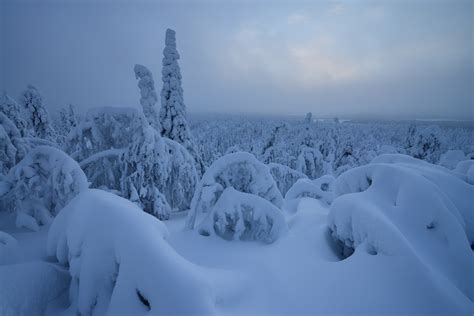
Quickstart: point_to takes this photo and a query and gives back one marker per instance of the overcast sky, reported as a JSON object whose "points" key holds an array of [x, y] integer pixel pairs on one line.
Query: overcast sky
{"points": [[391, 59]]}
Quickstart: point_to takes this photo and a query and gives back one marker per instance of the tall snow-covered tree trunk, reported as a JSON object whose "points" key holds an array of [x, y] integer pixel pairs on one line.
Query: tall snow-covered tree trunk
{"points": [[173, 111], [148, 97], [37, 117]]}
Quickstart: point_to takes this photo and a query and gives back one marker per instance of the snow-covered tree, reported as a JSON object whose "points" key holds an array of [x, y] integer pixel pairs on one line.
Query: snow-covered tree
{"points": [[12, 146], [240, 170], [243, 216], [12, 110], [120, 152], [37, 118], [65, 123], [42, 184], [425, 143], [173, 120], [311, 163], [308, 119], [148, 97]]}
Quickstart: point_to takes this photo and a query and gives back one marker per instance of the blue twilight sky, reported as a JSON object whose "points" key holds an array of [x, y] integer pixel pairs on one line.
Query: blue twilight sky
{"points": [[390, 59]]}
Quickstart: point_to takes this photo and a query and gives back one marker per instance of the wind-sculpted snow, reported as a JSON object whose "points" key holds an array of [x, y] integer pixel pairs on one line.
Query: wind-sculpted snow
{"points": [[42, 184], [120, 262], [466, 170], [244, 216], [451, 158], [284, 176], [240, 170], [406, 209]]}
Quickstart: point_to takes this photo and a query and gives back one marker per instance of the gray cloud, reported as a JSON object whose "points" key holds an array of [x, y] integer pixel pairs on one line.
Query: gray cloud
{"points": [[348, 59]]}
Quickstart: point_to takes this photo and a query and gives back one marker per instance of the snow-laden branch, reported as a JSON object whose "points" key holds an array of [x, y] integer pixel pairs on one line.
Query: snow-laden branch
{"points": [[113, 152]]}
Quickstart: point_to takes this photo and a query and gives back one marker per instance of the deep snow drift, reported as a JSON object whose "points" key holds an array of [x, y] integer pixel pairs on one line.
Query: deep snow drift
{"points": [[393, 241]]}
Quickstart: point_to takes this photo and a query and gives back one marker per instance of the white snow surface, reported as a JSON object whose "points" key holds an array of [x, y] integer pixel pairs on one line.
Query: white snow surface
{"points": [[399, 206], [117, 253]]}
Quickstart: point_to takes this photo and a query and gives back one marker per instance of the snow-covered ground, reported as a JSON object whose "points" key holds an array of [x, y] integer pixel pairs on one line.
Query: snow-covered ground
{"points": [[301, 273]]}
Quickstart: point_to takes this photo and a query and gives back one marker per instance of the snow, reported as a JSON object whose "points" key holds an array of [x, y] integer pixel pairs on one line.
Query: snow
{"points": [[148, 95], [240, 170], [400, 209], [42, 184], [451, 158], [117, 253], [319, 189], [243, 216]]}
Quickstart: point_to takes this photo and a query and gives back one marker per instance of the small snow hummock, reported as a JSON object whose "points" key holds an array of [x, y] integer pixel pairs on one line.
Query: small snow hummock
{"points": [[401, 209], [120, 262], [240, 170], [244, 216], [42, 184], [451, 158]]}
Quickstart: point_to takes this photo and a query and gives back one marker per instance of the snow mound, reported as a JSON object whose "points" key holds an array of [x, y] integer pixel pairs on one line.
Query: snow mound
{"points": [[455, 189], [451, 158], [244, 216], [320, 189], [42, 184], [28, 288], [399, 209], [243, 172], [284, 176], [120, 263], [466, 169], [7, 240]]}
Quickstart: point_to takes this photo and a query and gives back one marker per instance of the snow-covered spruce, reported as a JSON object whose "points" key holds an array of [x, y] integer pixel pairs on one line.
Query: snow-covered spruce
{"points": [[148, 97], [41, 185], [243, 216], [399, 209], [12, 146], [120, 152], [284, 176], [37, 117], [12, 110], [426, 143], [173, 120], [319, 189], [240, 170], [120, 262]]}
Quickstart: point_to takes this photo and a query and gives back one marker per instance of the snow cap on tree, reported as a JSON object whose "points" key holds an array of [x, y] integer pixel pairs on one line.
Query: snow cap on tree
{"points": [[148, 95], [173, 111]]}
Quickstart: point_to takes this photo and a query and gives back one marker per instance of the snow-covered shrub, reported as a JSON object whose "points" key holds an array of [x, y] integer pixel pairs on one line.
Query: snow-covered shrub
{"points": [[311, 163], [406, 209], [42, 184], [243, 216], [120, 262], [148, 95], [451, 158], [243, 172], [12, 146], [37, 117], [320, 189], [173, 120], [284, 176]]}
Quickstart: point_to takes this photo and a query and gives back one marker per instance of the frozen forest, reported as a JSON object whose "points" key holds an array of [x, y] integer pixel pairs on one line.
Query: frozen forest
{"points": [[147, 209]]}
